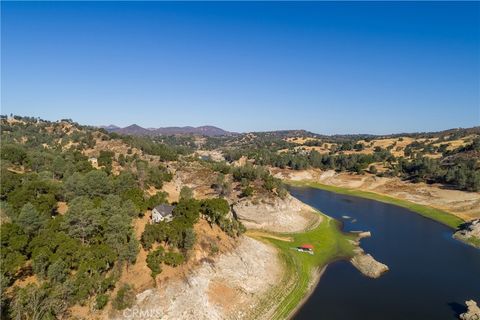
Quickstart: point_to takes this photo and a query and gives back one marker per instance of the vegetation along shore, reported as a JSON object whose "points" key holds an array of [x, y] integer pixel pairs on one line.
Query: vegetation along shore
{"points": [[302, 270], [441, 216], [465, 231]]}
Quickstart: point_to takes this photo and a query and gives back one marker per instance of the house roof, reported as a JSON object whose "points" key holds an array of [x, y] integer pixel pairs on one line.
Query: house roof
{"points": [[164, 209], [306, 246]]}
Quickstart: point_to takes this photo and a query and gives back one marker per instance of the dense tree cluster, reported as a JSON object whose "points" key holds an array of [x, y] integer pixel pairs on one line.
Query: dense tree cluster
{"points": [[179, 236], [249, 173], [215, 211], [159, 256], [462, 174], [458, 168], [77, 254], [124, 299], [156, 146]]}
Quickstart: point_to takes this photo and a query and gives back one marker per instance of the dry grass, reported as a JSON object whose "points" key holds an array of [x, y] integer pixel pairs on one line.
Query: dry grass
{"points": [[262, 234], [62, 207], [454, 144], [301, 140], [116, 145], [398, 144], [18, 169]]}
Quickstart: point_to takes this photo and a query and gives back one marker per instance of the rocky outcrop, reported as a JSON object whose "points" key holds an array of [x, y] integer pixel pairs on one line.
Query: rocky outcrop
{"points": [[364, 234], [364, 262], [276, 214], [469, 233], [367, 265], [473, 312]]}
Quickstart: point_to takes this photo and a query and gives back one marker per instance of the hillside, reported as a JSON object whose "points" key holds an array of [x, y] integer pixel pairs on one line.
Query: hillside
{"points": [[450, 157], [76, 208], [134, 129], [77, 202]]}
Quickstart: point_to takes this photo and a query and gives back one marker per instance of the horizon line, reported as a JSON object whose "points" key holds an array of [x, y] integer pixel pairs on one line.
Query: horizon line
{"points": [[101, 126]]}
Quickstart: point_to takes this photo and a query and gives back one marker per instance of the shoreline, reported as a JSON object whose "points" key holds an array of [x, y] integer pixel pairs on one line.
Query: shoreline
{"points": [[303, 272], [312, 286], [346, 284], [449, 219], [439, 215]]}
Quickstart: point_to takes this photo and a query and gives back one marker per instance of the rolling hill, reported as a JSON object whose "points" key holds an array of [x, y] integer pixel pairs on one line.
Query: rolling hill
{"points": [[135, 129]]}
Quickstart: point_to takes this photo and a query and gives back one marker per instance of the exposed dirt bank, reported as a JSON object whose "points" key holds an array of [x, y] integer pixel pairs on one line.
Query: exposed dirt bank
{"points": [[465, 205], [226, 287], [277, 215]]}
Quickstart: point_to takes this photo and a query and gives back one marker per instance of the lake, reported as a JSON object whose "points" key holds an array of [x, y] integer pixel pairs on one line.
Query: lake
{"points": [[431, 275]]}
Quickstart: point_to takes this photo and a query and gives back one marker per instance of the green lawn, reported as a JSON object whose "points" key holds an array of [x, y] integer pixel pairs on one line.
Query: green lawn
{"points": [[330, 243], [429, 212]]}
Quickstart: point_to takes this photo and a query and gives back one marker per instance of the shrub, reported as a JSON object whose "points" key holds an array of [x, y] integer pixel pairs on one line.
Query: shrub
{"points": [[125, 298], [282, 192], [105, 158], [247, 192], [213, 248], [101, 301], [173, 259], [186, 193], [214, 209], [154, 261]]}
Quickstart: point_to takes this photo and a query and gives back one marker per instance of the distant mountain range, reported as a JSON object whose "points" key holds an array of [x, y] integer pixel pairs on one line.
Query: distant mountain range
{"points": [[212, 131], [135, 129]]}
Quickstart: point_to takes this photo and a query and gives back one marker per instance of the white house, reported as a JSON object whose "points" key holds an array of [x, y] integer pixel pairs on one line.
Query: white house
{"points": [[162, 212]]}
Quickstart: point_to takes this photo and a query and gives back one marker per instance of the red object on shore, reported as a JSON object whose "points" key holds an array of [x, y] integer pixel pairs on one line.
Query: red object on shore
{"points": [[307, 246]]}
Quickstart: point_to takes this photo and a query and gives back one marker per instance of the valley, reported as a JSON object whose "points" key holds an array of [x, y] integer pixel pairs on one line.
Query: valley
{"points": [[231, 250]]}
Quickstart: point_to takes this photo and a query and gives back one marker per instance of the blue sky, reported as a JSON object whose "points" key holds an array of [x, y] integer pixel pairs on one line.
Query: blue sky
{"points": [[328, 67]]}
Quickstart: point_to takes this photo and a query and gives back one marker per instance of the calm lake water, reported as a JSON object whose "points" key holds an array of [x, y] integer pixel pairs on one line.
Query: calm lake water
{"points": [[431, 275]]}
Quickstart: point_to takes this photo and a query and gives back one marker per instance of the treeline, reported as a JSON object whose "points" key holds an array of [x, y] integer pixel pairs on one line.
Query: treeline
{"points": [[156, 146], [73, 255], [463, 174], [76, 255], [300, 160], [249, 176], [458, 168]]}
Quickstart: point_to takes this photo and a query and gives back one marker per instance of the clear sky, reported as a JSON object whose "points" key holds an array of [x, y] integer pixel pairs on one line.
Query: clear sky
{"points": [[326, 67]]}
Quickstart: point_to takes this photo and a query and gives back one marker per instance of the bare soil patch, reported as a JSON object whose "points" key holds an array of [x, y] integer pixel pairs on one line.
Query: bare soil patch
{"points": [[222, 295], [227, 286]]}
